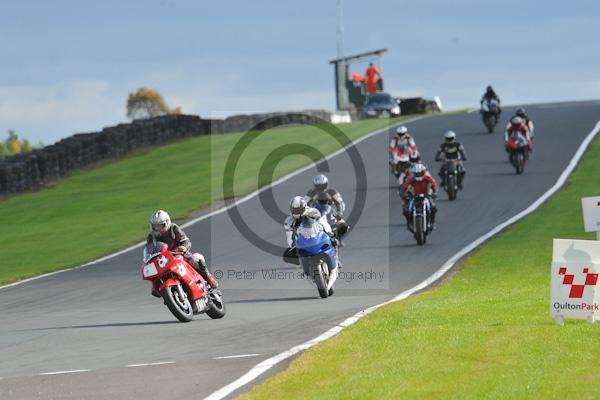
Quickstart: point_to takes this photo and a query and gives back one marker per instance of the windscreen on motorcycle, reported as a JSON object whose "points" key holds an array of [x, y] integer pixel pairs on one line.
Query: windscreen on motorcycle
{"points": [[309, 228], [152, 249]]}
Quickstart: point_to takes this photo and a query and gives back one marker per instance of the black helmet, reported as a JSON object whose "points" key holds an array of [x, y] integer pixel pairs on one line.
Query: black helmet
{"points": [[489, 89], [521, 112]]}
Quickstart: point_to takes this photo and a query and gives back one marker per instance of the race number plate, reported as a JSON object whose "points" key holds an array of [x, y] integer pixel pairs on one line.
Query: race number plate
{"points": [[150, 270]]}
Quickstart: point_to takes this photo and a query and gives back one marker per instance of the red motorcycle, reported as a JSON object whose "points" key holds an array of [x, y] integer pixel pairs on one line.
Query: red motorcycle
{"points": [[400, 161], [182, 288], [518, 148]]}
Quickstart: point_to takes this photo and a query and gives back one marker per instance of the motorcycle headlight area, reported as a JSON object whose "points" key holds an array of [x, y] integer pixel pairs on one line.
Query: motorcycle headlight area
{"points": [[149, 270]]}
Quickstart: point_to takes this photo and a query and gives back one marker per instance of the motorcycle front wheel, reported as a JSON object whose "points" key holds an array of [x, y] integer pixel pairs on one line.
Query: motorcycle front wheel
{"points": [[180, 307], [420, 230], [320, 281], [451, 187]]}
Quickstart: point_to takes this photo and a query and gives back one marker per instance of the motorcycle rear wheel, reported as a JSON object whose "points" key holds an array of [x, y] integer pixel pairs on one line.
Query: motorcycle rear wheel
{"points": [[217, 308], [180, 308]]}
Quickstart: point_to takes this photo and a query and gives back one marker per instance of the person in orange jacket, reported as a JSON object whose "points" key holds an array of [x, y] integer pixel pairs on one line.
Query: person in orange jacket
{"points": [[372, 75]]}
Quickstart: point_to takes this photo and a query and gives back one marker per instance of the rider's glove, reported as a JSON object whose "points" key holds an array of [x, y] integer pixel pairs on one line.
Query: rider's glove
{"points": [[180, 250]]}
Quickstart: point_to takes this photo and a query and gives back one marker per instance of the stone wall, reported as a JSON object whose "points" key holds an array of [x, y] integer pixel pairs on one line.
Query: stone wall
{"points": [[24, 172]]}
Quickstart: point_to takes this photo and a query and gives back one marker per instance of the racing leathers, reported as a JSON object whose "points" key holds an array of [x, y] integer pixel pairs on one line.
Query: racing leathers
{"points": [[412, 187], [520, 130], [405, 141], [527, 122], [490, 94], [178, 242], [315, 197], [400, 149], [451, 151]]}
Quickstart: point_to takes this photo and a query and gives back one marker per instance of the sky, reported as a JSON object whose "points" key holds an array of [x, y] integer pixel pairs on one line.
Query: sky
{"points": [[67, 66]]}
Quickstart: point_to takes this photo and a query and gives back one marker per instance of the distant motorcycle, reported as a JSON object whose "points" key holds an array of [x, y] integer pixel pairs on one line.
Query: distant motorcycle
{"points": [[451, 178], [400, 161], [489, 113], [518, 150], [318, 256], [182, 288], [420, 209]]}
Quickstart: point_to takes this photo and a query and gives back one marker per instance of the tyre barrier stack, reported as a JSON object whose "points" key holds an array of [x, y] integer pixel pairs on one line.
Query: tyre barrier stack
{"points": [[33, 170]]}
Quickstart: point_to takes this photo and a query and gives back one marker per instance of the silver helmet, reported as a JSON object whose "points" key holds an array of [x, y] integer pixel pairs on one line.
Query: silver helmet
{"points": [[160, 222], [449, 136], [320, 183], [297, 206], [401, 131]]}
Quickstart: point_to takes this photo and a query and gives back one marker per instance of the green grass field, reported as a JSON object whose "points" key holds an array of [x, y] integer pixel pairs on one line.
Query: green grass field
{"points": [[485, 333], [105, 208]]}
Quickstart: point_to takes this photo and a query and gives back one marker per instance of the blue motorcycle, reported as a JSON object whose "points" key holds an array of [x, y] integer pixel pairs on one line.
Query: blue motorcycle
{"points": [[318, 256]]}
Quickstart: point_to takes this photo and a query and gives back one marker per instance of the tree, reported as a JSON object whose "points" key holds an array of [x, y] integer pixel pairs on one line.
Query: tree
{"points": [[147, 103], [12, 143], [26, 146]]}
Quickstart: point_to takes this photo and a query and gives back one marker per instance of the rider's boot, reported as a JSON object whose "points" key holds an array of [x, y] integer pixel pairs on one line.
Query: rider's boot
{"points": [[199, 264], [408, 219], [432, 218]]}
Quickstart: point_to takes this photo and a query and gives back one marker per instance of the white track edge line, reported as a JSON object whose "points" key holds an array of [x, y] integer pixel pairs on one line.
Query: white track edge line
{"points": [[236, 356], [262, 367], [65, 372], [223, 209], [150, 364]]}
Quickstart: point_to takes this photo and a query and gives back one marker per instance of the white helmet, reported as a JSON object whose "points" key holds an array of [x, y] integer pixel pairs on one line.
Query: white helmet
{"points": [[418, 171], [160, 222], [401, 130], [320, 182], [449, 136], [297, 206], [516, 122]]}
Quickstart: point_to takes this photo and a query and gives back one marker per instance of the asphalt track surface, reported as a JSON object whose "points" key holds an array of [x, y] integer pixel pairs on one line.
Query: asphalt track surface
{"points": [[102, 320]]}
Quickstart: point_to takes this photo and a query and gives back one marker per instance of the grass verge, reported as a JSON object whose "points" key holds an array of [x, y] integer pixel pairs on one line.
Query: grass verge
{"points": [[486, 333], [99, 210]]}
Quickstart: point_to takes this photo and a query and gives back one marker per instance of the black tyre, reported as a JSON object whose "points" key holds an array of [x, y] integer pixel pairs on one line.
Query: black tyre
{"points": [[490, 122], [217, 308], [319, 278], [520, 163], [420, 230], [181, 308], [451, 187]]}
